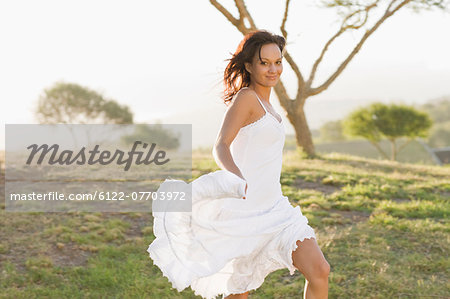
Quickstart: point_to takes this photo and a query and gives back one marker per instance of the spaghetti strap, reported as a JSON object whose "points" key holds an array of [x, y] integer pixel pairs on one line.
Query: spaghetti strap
{"points": [[261, 103]]}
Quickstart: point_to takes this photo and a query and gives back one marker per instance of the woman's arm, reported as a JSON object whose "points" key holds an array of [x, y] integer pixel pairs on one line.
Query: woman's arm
{"points": [[235, 117]]}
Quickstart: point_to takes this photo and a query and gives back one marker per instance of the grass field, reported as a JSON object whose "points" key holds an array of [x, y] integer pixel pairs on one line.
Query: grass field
{"points": [[383, 226]]}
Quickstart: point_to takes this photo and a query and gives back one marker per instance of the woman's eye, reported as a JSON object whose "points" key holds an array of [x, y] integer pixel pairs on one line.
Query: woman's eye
{"points": [[265, 63]]}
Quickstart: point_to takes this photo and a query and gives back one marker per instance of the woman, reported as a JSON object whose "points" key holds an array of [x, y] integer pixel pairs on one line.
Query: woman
{"points": [[241, 227]]}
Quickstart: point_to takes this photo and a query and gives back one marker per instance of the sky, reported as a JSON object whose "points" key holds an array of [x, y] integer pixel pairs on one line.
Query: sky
{"points": [[165, 59]]}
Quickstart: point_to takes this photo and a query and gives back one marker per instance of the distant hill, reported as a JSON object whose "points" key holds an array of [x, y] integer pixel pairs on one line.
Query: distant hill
{"points": [[412, 153]]}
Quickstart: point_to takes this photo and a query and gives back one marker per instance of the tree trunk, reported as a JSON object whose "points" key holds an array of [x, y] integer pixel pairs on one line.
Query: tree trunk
{"points": [[378, 147], [394, 150], [302, 133]]}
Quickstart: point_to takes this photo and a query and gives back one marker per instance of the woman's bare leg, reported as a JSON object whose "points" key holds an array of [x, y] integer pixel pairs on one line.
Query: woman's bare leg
{"points": [[237, 296], [309, 259]]}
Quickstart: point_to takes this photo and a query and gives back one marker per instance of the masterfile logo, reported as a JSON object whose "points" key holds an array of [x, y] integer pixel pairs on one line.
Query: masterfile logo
{"points": [[68, 157], [98, 168]]}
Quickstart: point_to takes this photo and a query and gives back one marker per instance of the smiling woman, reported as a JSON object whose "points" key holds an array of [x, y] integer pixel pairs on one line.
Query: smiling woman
{"points": [[245, 65], [229, 244]]}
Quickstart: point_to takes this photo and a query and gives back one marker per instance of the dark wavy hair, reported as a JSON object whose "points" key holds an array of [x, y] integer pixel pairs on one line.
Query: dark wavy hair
{"points": [[236, 76]]}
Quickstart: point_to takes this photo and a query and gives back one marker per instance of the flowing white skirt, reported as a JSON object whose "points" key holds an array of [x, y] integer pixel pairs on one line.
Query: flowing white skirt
{"points": [[219, 249]]}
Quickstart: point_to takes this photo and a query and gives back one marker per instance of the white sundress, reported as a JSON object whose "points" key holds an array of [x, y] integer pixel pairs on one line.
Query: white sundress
{"points": [[227, 244]]}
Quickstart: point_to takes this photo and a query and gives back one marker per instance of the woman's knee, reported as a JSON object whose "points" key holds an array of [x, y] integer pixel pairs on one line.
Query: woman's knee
{"points": [[322, 271], [325, 269], [309, 259]]}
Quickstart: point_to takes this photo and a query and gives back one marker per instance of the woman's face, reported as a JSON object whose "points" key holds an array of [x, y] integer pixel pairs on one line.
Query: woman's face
{"points": [[267, 71]]}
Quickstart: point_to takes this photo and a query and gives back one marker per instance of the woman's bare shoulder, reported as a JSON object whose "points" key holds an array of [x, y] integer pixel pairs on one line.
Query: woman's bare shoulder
{"points": [[245, 98]]}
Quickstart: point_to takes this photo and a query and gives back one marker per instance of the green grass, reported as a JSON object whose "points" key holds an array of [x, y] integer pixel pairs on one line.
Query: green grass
{"points": [[383, 226]]}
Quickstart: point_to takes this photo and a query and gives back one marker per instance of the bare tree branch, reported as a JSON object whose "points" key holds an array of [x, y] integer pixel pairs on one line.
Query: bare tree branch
{"points": [[344, 27], [225, 12], [295, 68], [244, 14], [390, 5], [388, 13], [318, 60], [358, 12], [380, 149], [293, 65], [283, 23], [300, 80], [404, 144]]}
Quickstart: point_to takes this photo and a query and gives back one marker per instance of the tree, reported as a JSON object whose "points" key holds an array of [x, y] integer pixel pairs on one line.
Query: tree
{"points": [[164, 138], [439, 111], [332, 131], [354, 16], [69, 103], [440, 135], [387, 121]]}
